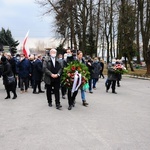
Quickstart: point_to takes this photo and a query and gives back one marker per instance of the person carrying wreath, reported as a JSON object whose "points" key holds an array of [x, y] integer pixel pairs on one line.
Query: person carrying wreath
{"points": [[112, 78], [81, 60], [75, 76], [71, 96]]}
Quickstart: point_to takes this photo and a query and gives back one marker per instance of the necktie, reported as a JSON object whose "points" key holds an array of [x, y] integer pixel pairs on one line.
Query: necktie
{"points": [[53, 60]]}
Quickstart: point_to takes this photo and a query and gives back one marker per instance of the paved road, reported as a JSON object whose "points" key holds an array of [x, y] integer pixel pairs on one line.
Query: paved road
{"points": [[111, 122]]}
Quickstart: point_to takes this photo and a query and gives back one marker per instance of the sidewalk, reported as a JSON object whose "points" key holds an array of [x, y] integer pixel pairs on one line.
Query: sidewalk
{"points": [[110, 122]]}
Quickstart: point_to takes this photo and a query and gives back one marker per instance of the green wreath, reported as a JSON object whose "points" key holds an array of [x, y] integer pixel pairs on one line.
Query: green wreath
{"points": [[67, 78]]}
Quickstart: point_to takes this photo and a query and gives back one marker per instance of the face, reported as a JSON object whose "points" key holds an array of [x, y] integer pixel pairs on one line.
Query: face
{"points": [[60, 56], [40, 57], [96, 60], [80, 55], [69, 53], [22, 57], [53, 53]]}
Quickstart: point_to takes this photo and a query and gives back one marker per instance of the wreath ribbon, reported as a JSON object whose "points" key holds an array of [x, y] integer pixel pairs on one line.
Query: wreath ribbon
{"points": [[76, 84]]}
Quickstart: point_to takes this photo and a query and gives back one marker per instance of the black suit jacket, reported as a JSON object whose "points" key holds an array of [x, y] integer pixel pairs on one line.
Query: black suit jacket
{"points": [[49, 69]]}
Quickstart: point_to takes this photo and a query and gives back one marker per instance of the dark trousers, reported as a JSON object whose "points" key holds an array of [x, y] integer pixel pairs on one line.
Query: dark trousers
{"points": [[94, 82], [37, 83], [118, 82], [31, 81], [111, 83], [24, 83], [101, 74], [90, 84], [71, 97], [119, 79], [56, 87], [63, 90], [11, 87]]}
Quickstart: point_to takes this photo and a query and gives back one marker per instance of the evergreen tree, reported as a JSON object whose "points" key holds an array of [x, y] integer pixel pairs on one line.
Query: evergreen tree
{"points": [[6, 39]]}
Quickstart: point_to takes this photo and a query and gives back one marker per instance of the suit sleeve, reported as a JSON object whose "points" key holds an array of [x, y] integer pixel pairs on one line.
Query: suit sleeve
{"points": [[45, 68]]}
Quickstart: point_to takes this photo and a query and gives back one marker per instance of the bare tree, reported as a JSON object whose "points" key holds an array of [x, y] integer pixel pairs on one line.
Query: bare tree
{"points": [[144, 12], [137, 33], [87, 24]]}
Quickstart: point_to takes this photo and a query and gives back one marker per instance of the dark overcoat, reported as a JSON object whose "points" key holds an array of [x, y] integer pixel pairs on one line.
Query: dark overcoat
{"points": [[37, 70]]}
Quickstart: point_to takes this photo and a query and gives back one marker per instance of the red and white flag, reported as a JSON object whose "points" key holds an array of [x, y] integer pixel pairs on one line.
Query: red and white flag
{"points": [[25, 50]]}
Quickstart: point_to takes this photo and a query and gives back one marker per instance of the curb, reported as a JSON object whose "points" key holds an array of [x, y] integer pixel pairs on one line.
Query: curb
{"points": [[137, 77]]}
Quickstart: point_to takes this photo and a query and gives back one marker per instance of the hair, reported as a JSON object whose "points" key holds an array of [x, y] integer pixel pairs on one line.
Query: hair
{"points": [[22, 54], [53, 50], [3, 59], [39, 56], [79, 52], [69, 50], [95, 58]]}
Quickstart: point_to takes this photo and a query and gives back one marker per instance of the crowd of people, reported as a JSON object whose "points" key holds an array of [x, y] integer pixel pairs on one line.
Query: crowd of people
{"points": [[31, 71]]}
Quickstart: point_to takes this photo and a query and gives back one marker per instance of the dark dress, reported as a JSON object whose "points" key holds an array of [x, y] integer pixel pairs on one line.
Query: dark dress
{"points": [[102, 68], [7, 71]]}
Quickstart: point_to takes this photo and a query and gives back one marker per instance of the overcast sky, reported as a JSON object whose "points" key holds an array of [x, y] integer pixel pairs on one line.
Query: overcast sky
{"points": [[22, 15]]}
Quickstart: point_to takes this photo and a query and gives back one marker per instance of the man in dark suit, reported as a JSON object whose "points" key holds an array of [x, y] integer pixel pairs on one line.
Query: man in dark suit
{"points": [[37, 74], [52, 71], [24, 71]]}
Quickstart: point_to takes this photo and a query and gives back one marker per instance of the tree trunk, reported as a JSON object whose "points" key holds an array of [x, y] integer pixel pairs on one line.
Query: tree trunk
{"points": [[137, 34], [84, 22], [110, 29], [98, 24], [130, 64], [148, 68], [145, 30]]}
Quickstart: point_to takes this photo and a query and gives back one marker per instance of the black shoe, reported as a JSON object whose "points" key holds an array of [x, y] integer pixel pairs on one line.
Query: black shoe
{"points": [[58, 106], [35, 93], [73, 104], [63, 97], [70, 107], [41, 91], [114, 92], [50, 105], [85, 103], [118, 85], [91, 92], [7, 97], [14, 97]]}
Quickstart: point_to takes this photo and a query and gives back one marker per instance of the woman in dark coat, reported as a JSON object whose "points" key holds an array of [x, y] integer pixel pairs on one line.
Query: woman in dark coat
{"points": [[7, 71], [91, 70], [96, 71], [102, 68]]}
